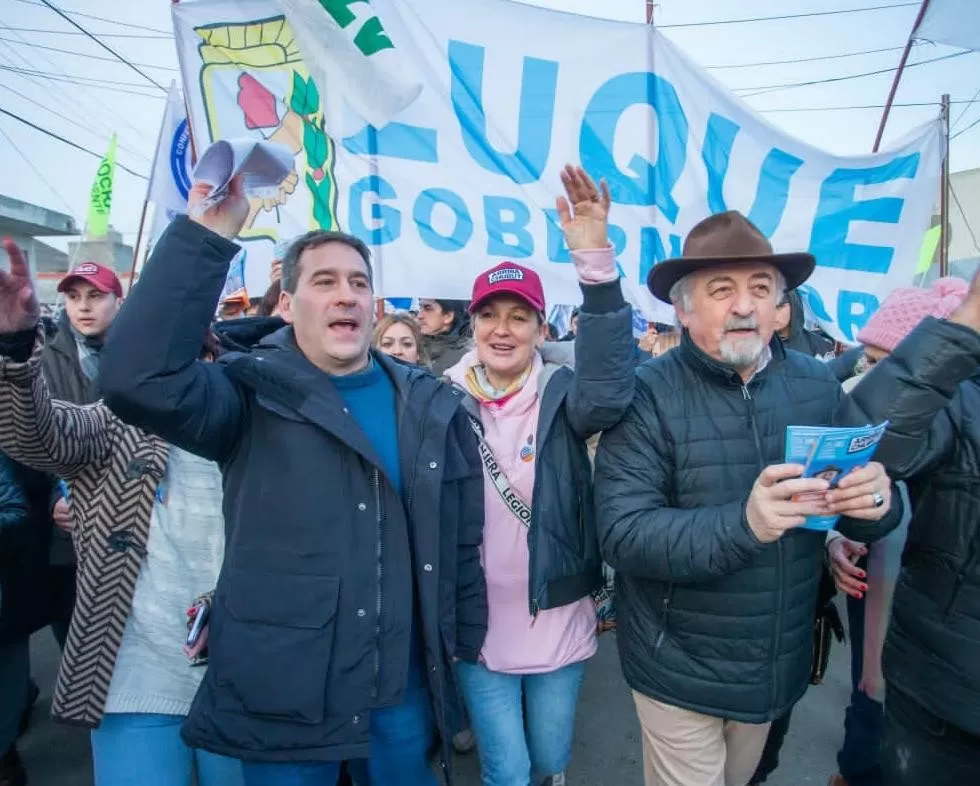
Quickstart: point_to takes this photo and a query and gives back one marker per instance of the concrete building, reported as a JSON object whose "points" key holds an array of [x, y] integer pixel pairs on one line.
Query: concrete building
{"points": [[26, 223], [964, 226]]}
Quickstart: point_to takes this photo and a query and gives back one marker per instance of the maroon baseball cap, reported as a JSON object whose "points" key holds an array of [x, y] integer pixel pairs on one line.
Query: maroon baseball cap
{"points": [[508, 278], [99, 276]]}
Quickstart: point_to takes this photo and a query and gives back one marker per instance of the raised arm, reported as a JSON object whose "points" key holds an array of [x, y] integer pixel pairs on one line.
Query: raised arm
{"points": [[915, 390], [604, 347], [150, 370], [50, 436]]}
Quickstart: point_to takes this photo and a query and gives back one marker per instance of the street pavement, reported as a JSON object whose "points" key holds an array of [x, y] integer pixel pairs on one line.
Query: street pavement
{"points": [[607, 742]]}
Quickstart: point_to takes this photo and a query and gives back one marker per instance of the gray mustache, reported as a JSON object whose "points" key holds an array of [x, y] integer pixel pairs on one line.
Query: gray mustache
{"points": [[746, 323]]}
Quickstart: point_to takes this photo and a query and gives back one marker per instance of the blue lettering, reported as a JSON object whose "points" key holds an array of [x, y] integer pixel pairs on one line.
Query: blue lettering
{"points": [[557, 250], [424, 207], [537, 111], [838, 208], [386, 222], [854, 309], [652, 250], [515, 225], [773, 189], [395, 140], [644, 184]]}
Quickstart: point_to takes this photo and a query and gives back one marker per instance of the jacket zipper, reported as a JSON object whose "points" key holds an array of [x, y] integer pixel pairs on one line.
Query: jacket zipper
{"points": [[379, 520], [777, 625]]}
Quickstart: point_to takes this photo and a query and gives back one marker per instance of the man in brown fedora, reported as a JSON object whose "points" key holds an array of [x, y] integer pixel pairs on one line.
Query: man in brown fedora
{"points": [[717, 582]]}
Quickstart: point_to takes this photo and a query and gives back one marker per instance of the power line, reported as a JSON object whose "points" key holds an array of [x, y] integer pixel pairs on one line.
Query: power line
{"points": [[39, 176], [856, 106], [79, 80], [104, 45], [965, 109], [963, 131], [87, 129], [966, 220], [805, 59], [84, 108], [100, 18], [101, 34], [70, 121], [32, 45], [789, 16], [762, 89], [68, 142]]}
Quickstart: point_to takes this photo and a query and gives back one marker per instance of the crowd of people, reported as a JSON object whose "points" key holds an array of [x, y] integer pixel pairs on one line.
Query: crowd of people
{"points": [[298, 545]]}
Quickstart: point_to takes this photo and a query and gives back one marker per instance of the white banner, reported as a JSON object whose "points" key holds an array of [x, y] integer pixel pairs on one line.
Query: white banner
{"points": [[467, 174], [952, 22]]}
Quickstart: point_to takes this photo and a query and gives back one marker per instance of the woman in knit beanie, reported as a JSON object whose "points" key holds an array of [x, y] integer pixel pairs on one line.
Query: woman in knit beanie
{"points": [[902, 310], [870, 594]]}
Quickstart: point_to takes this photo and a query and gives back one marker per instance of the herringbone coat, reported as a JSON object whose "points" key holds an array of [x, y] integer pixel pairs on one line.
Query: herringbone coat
{"points": [[112, 471]]}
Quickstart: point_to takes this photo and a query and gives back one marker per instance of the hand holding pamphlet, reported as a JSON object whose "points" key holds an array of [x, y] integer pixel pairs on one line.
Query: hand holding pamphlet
{"points": [[263, 165], [830, 454]]}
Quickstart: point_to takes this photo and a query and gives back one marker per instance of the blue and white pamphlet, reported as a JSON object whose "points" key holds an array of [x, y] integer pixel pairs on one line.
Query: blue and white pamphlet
{"points": [[831, 453]]}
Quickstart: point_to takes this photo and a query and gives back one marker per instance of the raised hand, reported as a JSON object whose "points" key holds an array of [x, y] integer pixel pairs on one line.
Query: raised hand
{"points": [[225, 218], [19, 309], [584, 211]]}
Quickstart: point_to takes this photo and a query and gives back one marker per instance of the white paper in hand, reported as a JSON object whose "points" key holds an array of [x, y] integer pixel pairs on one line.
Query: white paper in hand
{"points": [[264, 165]]}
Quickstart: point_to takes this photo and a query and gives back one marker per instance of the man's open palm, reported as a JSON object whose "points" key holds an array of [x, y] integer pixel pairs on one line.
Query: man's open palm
{"points": [[19, 309]]}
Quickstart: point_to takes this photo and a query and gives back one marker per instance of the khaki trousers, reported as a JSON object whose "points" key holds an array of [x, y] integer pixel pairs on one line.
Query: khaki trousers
{"points": [[685, 748]]}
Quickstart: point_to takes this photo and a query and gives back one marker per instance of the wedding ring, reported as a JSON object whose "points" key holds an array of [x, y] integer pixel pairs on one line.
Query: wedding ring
{"points": [[879, 500]]}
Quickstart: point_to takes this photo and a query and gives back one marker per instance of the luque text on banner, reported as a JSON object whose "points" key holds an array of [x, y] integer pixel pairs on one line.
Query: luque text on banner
{"points": [[466, 175]]}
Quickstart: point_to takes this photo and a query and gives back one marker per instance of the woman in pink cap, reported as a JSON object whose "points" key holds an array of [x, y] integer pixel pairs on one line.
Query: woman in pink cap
{"points": [[923, 350], [540, 554]]}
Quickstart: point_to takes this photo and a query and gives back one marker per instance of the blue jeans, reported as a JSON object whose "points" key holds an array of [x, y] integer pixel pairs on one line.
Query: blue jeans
{"points": [[401, 738], [15, 678], [130, 748], [864, 719], [524, 724]]}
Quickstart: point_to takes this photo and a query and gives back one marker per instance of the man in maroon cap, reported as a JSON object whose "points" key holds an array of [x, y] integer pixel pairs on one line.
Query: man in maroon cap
{"points": [[71, 364]]}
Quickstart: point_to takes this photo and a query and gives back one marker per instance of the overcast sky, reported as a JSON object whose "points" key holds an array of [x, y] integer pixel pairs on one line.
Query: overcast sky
{"points": [[84, 95]]}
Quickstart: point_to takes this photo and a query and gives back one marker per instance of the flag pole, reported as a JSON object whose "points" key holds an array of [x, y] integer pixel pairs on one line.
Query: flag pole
{"points": [[649, 12], [944, 194], [898, 75]]}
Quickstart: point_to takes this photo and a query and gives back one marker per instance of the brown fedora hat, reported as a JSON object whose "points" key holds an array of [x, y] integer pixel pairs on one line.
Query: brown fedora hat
{"points": [[724, 239]]}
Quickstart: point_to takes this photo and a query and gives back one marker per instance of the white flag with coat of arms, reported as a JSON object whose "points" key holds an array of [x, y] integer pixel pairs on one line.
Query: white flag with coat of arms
{"points": [[170, 179]]}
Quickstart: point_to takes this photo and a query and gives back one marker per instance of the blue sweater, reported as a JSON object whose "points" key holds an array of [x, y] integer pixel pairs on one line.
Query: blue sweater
{"points": [[370, 397]]}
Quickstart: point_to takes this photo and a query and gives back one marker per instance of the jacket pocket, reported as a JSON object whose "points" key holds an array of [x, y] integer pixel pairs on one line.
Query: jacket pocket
{"points": [[272, 645]]}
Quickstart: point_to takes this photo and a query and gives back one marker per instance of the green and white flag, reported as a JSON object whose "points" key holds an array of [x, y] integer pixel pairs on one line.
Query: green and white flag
{"points": [[348, 53]]}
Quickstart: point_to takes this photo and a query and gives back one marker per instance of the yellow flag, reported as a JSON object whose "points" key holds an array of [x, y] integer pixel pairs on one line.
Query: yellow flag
{"points": [[100, 202], [928, 251]]}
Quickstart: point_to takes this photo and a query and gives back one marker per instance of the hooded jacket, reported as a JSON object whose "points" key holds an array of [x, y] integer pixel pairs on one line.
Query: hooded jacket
{"points": [[312, 614], [809, 342]]}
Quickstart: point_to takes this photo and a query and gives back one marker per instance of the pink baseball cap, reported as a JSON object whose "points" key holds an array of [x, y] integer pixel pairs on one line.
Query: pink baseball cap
{"points": [[508, 278], [99, 276], [905, 308]]}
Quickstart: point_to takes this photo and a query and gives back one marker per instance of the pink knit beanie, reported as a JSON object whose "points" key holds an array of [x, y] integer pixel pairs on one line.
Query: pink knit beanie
{"points": [[903, 309]]}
